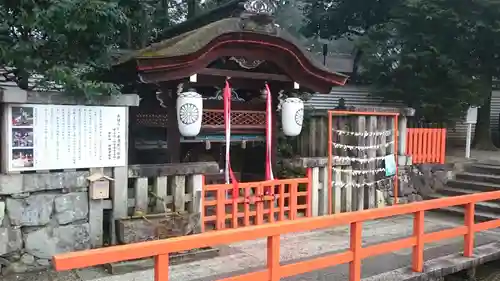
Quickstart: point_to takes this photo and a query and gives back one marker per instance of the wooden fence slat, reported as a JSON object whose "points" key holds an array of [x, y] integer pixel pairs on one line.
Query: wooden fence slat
{"points": [[179, 190], [360, 179], [372, 153], [96, 217], [337, 194], [382, 124], [141, 195], [443, 147], [348, 189], [160, 190], [119, 196]]}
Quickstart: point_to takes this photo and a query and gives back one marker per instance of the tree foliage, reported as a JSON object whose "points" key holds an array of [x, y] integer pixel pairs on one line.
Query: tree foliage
{"points": [[62, 40], [438, 56], [65, 42]]}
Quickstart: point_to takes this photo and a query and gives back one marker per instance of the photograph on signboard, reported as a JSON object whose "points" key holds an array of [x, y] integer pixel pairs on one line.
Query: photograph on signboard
{"points": [[22, 158], [22, 116], [22, 138]]}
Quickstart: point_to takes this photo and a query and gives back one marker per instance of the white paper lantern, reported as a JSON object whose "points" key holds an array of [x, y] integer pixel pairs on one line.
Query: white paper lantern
{"points": [[292, 116], [189, 113]]}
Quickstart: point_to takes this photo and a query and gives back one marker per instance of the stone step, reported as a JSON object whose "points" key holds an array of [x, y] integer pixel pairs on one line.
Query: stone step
{"points": [[452, 191], [473, 185], [480, 216], [477, 177], [483, 169], [486, 207]]}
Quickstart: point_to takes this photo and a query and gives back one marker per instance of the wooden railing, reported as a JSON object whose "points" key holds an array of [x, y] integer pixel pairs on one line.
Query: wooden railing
{"points": [[426, 145], [257, 203], [274, 271]]}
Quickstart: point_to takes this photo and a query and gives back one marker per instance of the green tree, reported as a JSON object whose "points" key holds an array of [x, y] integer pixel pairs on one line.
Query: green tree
{"points": [[63, 41], [68, 42], [436, 55]]}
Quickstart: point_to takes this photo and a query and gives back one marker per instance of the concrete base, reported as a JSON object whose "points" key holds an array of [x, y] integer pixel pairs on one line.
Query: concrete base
{"points": [[436, 268]]}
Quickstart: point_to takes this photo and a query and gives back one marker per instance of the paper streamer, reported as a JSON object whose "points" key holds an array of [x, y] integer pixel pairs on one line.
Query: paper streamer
{"points": [[229, 175], [356, 147], [269, 131], [364, 134]]}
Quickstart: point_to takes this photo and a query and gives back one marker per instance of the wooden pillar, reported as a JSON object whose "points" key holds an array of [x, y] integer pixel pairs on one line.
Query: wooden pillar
{"points": [[169, 95], [275, 128], [131, 135]]}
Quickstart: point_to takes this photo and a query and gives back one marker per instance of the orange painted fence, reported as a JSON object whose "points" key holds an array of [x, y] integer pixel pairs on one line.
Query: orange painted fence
{"points": [[426, 145], [274, 271], [257, 203]]}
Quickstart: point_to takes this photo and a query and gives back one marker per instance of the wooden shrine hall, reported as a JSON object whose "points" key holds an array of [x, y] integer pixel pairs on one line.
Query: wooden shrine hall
{"points": [[238, 42]]}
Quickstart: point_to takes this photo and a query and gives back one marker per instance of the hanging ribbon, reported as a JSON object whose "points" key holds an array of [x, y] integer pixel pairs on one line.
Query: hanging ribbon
{"points": [[229, 175], [269, 132]]}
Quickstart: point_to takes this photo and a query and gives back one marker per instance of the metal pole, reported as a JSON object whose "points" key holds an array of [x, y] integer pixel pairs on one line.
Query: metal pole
{"points": [[468, 140]]}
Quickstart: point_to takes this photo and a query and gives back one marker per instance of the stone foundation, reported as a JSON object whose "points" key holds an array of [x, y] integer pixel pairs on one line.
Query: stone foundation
{"points": [[41, 215], [418, 181]]}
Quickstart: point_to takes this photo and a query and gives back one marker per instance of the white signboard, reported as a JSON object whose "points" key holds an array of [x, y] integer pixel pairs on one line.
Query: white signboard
{"points": [[471, 117], [51, 137]]}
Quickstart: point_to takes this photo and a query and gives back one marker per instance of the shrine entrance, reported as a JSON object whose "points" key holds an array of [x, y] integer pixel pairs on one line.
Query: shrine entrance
{"points": [[217, 90]]}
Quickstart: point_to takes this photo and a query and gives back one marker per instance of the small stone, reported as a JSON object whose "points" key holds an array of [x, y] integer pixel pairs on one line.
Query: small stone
{"points": [[48, 241], [2, 212], [20, 195], [43, 262], [4, 262], [10, 240], [16, 267], [27, 259], [71, 207], [32, 211]]}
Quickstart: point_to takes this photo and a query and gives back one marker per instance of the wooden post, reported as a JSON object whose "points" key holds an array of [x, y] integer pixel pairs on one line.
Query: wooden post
{"points": [[323, 191], [391, 123], [315, 187], [179, 193], [141, 196], [160, 190], [402, 124], [196, 188], [360, 179], [372, 165], [348, 189], [337, 187], [173, 136], [382, 151], [96, 217]]}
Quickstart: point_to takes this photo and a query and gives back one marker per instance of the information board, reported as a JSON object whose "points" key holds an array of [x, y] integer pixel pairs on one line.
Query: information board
{"points": [[50, 137]]}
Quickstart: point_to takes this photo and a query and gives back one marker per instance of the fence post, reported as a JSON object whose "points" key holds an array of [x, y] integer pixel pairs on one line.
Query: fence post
{"points": [[355, 247], [469, 236], [323, 191], [443, 146], [313, 191], [402, 135], [273, 257], [418, 249], [161, 267]]}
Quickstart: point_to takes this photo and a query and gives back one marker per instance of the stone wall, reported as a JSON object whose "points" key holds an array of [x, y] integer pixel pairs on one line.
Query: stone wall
{"points": [[418, 181], [41, 215]]}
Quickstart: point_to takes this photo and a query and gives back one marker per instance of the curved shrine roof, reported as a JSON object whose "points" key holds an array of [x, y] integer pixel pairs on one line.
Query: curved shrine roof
{"points": [[253, 36]]}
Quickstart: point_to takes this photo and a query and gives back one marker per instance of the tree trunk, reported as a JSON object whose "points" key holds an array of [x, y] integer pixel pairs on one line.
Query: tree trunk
{"points": [[482, 135], [191, 8]]}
